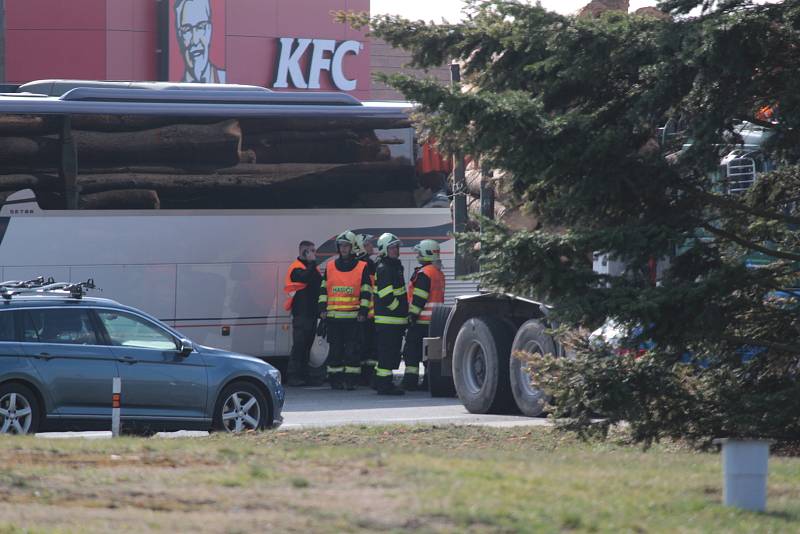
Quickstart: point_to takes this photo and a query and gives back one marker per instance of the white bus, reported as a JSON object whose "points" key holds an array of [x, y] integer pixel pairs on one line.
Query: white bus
{"points": [[210, 256]]}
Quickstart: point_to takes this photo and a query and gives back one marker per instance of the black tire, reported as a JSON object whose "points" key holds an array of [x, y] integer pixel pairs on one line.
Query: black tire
{"points": [[439, 316], [480, 366], [439, 385], [23, 399], [531, 338], [244, 390]]}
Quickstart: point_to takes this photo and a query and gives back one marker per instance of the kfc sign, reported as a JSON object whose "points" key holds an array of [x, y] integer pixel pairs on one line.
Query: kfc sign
{"points": [[244, 42], [326, 55]]}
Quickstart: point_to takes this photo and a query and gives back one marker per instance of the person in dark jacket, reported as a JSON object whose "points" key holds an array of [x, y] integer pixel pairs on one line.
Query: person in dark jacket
{"points": [[344, 304], [302, 291], [391, 313], [369, 359]]}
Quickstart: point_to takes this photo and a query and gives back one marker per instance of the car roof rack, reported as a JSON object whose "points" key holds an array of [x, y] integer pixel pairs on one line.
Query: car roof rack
{"points": [[42, 286]]}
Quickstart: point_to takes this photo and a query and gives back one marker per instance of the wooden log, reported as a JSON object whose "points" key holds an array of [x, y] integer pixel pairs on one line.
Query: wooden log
{"points": [[133, 123], [181, 145], [30, 152], [370, 176], [240, 169], [311, 123], [513, 218], [28, 125], [328, 151], [16, 182], [121, 199], [305, 136], [214, 145]]}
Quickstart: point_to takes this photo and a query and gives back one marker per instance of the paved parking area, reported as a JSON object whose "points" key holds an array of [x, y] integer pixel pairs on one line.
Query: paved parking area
{"points": [[310, 407], [320, 407]]}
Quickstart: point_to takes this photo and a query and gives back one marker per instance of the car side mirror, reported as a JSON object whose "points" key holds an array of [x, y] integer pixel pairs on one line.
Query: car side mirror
{"points": [[186, 347]]}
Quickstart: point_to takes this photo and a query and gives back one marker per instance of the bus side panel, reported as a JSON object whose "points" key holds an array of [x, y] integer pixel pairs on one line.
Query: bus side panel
{"points": [[202, 271], [283, 341], [229, 305], [151, 288], [58, 272]]}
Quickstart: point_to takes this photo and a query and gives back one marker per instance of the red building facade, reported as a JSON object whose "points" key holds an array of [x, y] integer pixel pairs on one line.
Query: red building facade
{"points": [[282, 44]]}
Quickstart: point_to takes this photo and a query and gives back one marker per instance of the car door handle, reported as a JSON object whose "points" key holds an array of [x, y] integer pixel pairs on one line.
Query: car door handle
{"points": [[43, 356], [128, 359]]}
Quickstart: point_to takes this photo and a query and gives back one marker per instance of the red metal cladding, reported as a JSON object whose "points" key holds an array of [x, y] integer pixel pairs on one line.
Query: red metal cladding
{"points": [[236, 41]]}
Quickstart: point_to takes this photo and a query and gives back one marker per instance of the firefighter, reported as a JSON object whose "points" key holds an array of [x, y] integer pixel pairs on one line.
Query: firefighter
{"points": [[364, 250], [391, 313], [302, 292], [425, 289], [343, 304]]}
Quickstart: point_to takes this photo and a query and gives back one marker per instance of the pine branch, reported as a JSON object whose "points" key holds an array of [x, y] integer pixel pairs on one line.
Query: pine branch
{"points": [[723, 202], [750, 245]]}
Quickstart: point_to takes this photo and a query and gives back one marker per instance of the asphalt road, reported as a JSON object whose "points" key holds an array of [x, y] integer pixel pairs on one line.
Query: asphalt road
{"points": [[318, 407], [308, 407]]}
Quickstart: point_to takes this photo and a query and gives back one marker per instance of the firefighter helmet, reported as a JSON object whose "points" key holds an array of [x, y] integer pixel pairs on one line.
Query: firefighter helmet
{"points": [[387, 240], [427, 250], [346, 238], [360, 248]]}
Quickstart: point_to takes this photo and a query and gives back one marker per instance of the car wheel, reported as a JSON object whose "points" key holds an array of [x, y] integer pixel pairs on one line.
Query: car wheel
{"points": [[241, 407], [531, 339], [19, 410], [438, 384], [480, 366]]}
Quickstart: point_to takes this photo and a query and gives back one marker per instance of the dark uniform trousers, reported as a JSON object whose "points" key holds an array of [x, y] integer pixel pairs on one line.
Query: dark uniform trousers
{"points": [[389, 340], [413, 348], [304, 331], [368, 350], [343, 337]]}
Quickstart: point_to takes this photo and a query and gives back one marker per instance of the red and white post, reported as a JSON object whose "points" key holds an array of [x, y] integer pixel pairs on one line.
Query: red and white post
{"points": [[116, 396]]}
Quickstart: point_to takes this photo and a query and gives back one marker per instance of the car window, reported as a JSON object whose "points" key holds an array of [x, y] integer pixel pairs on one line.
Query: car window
{"points": [[71, 326], [127, 330], [7, 326]]}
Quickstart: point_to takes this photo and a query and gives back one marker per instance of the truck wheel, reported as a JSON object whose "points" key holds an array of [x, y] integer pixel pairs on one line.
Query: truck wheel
{"points": [[480, 366], [531, 338], [439, 385]]}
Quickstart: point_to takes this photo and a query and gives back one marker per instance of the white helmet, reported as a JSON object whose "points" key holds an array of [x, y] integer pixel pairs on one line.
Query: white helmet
{"points": [[387, 240], [360, 248], [427, 250]]}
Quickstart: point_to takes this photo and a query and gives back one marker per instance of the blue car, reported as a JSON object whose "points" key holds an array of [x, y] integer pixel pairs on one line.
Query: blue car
{"points": [[60, 351]]}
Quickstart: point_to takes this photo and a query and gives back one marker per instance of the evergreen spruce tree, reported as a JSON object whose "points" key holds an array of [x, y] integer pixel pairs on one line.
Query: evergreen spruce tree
{"points": [[574, 110]]}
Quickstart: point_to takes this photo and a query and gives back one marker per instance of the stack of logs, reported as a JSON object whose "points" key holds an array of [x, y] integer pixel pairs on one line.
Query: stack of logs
{"points": [[507, 208], [139, 162]]}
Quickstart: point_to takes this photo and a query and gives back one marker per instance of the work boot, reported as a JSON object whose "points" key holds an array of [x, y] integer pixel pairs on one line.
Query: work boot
{"points": [[350, 381], [410, 382], [367, 372], [391, 389], [315, 376], [336, 380], [385, 386]]}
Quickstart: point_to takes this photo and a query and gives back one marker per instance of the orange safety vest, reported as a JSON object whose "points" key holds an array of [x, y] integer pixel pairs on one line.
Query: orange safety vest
{"points": [[344, 290], [291, 288], [435, 294]]}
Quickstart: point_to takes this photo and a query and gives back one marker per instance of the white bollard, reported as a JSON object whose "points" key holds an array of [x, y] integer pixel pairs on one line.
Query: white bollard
{"points": [[116, 397], [744, 471]]}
